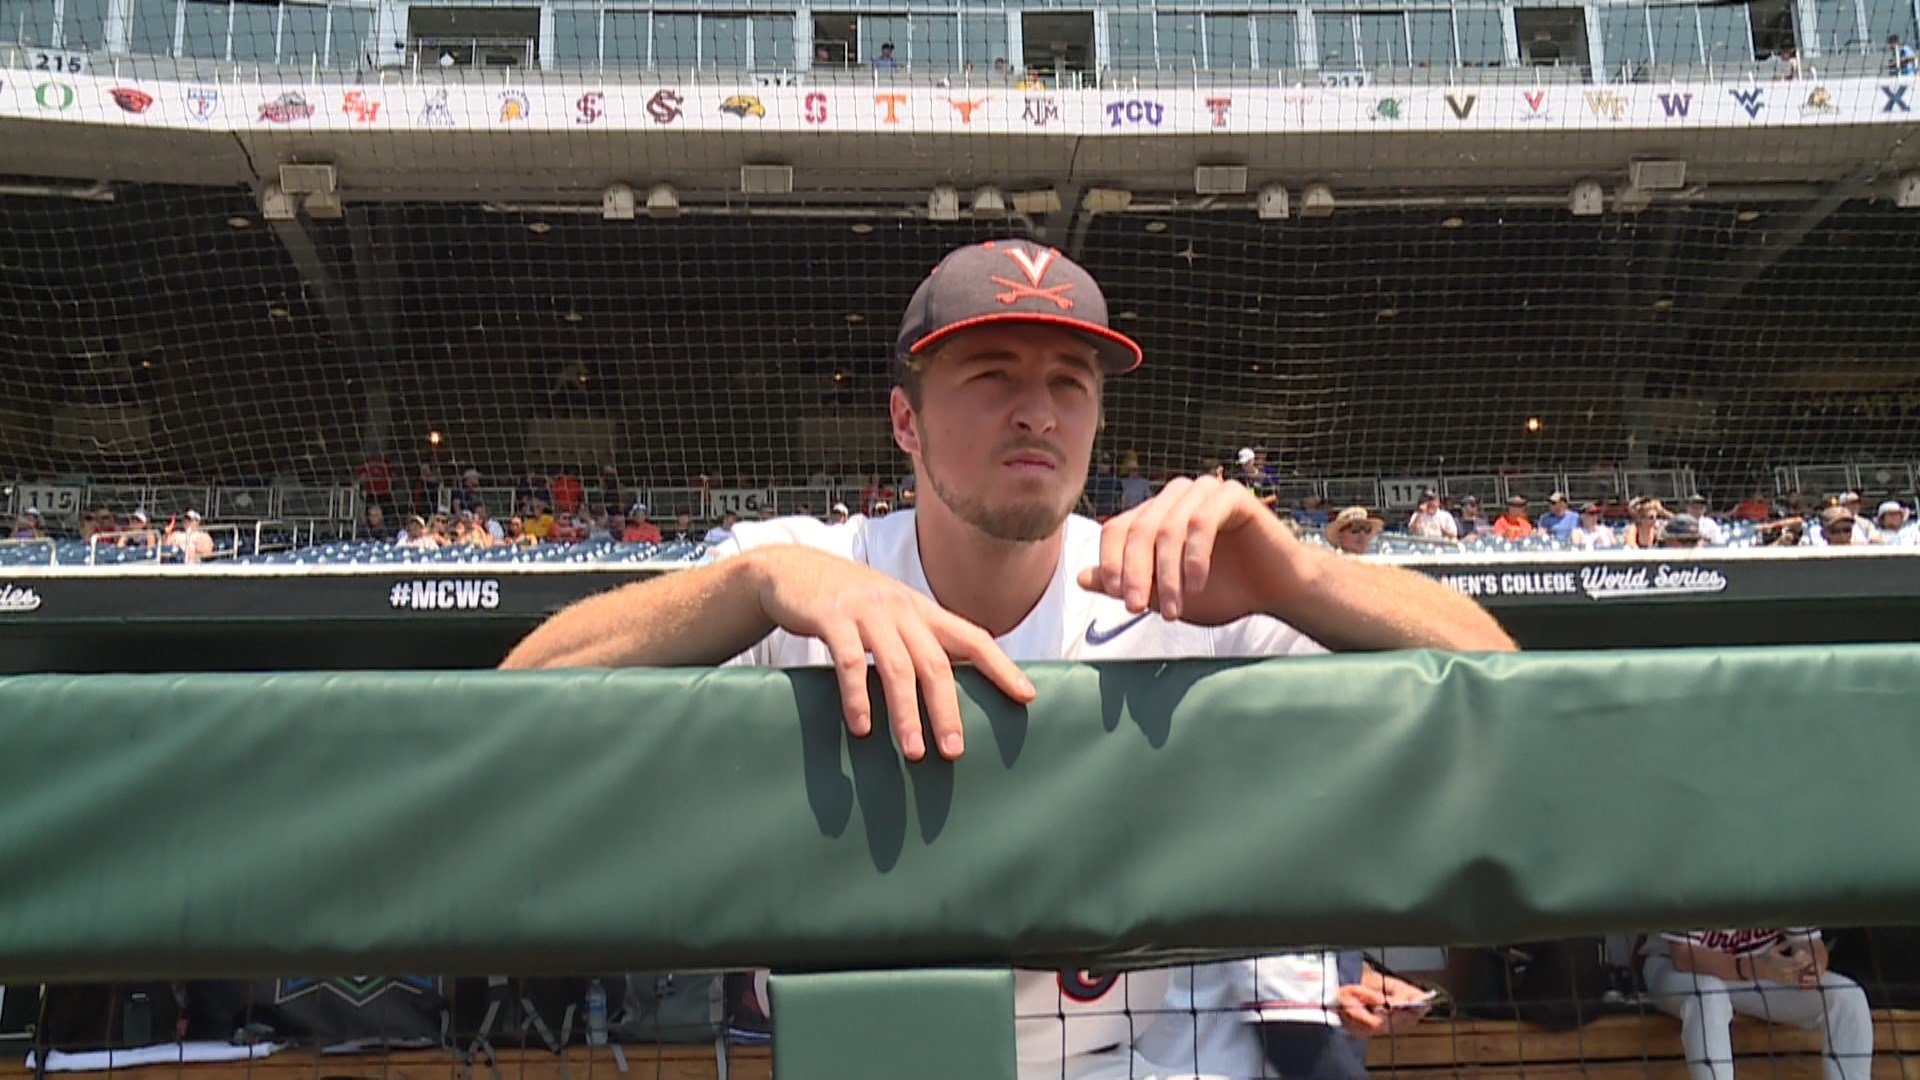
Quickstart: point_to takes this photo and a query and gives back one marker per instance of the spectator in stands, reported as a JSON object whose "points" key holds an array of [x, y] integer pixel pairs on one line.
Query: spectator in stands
{"points": [[1472, 522], [1254, 478], [1838, 528], [566, 491], [375, 477], [98, 522], [469, 532], [684, 533], [1792, 533], [612, 491], [1591, 533], [1789, 58], [531, 488], [722, 532], [1894, 527], [1431, 521], [1756, 507], [1514, 524], [416, 535], [1682, 531], [1559, 521], [426, 489], [885, 61], [374, 524], [881, 509], [467, 495], [639, 530], [139, 532], [568, 528], [838, 515], [1711, 531], [27, 525], [483, 520], [188, 537], [1213, 468], [1353, 529], [1134, 488], [1648, 515], [1901, 60], [517, 534], [441, 527], [1031, 80], [539, 519], [1778, 975], [1863, 529], [1102, 498]]}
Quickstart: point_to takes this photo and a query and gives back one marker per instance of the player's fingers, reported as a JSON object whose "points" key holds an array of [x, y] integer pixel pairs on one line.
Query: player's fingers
{"points": [[850, 668], [1136, 556], [969, 643], [1113, 543], [1170, 545], [894, 663], [937, 691], [1203, 531]]}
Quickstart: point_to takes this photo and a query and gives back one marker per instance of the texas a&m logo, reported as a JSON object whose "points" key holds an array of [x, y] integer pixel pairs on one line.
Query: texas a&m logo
{"points": [[1033, 265]]}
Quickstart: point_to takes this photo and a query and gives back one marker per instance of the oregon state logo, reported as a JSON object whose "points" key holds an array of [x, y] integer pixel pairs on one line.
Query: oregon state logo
{"points": [[131, 100]]}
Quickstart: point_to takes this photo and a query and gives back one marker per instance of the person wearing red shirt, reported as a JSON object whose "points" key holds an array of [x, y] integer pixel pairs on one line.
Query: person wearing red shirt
{"points": [[1755, 507], [639, 530], [375, 477], [567, 491], [1513, 525]]}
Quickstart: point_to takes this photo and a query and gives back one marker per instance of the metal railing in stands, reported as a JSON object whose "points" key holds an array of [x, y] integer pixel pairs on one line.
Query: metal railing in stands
{"points": [[150, 549], [52, 550]]}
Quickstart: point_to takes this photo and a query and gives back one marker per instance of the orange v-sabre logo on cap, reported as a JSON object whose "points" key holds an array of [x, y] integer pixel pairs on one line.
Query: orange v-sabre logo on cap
{"points": [[1034, 266]]}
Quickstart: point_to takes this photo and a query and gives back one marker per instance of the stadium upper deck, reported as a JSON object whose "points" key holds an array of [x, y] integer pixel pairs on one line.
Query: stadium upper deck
{"points": [[1344, 40]]}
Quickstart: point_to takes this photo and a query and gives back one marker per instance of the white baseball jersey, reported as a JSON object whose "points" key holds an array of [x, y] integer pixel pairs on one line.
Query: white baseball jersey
{"points": [[1215, 1006], [1731, 942], [1072, 1025]]}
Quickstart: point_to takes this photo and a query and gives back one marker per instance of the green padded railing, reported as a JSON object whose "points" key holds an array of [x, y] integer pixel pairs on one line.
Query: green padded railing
{"points": [[188, 826]]}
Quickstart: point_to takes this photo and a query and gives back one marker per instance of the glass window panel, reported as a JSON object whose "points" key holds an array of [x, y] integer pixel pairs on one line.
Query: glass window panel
{"points": [[983, 39], [1838, 30], [936, 41], [877, 30], [1383, 40], [86, 28], [153, 27], [351, 39], [1432, 37], [676, 41], [255, 29], [206, 34], [1725, 29], [1676, 36], [772, 41], [1623, 33], [1482, 39], [303, 34], [724, 40], [576, 37], [1886, 17], [1180, 40], [1338, 47], [1279, 41], [29, 22], [1229, 40], [1130, 39], [626, 39]]}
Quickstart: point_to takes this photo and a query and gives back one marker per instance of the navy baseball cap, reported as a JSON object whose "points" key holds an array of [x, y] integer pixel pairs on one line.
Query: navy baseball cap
{"points": [[1012, 281]]}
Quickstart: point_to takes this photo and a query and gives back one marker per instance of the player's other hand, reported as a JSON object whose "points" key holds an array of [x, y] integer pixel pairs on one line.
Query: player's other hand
{"points": [[856, 611], [1779, 965], [1363, 1010], [1202, 550]]}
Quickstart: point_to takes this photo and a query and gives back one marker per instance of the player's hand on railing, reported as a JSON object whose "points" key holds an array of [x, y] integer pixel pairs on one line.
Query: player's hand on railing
{"points": [[1203, 550], [856, 611]]}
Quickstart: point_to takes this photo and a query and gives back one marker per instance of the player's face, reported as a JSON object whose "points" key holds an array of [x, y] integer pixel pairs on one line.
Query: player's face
{"points": [[1005, 428]]}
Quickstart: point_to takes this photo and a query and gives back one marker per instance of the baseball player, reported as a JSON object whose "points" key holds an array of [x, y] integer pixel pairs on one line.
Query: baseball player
{"points": [[1002, 360], [1779, 975]]}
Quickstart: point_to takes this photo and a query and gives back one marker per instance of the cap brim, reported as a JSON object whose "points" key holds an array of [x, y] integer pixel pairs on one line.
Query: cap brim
{"points": [[1119, 353]]}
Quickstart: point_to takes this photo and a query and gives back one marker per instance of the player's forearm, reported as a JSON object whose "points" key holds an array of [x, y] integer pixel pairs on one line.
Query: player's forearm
{"points": [[1689, 960], [703, 616], [1347, 604]]}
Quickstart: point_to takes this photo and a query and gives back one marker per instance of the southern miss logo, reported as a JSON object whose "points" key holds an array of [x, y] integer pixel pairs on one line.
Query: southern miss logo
{"points": [[743, 106], [1033, 265], [131, 100]]}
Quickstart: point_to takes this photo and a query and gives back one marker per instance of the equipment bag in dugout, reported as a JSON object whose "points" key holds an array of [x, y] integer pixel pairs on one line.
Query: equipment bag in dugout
{"points": [[341, 1014]]}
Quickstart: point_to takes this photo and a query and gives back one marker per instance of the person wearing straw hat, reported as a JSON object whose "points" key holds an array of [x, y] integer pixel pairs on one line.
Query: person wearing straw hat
{"points": [[1352, 530]]}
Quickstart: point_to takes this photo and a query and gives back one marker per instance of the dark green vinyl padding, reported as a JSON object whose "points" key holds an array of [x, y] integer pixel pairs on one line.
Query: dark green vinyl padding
{"points": [[208, 825]]}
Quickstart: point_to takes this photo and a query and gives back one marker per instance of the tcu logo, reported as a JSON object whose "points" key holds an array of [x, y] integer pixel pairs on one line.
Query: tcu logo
{"points": [[816, 108], [1135, 112], [1084, 986]]}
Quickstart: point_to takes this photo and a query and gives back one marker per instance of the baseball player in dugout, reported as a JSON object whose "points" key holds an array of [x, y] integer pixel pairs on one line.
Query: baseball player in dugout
{"points": [[1001, 364]]}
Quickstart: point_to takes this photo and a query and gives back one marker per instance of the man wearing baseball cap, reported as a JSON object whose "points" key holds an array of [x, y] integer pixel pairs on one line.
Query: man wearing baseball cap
{"points": [[1001, 365]]}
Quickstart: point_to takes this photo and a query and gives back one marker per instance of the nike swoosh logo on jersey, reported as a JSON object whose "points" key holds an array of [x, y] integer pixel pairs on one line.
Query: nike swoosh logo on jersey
{"points": [[1097, 636]]}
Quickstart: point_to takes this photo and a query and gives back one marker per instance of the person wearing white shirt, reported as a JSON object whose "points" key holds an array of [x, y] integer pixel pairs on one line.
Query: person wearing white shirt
{"points": [[998, 400], [1430, 521], [1591, 533], [1711, 531], [722, 532], [1897, 528]]}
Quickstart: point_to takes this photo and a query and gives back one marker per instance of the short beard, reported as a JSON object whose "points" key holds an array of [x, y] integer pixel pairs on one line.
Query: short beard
{"points": [[1027, 522]]}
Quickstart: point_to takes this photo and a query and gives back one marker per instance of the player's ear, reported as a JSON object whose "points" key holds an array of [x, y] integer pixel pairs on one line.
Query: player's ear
{"points": [[906, 435]]}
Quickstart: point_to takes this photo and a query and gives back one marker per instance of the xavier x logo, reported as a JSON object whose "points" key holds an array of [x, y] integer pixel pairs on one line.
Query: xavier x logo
{"points": [[1896, 99], [1034, 265]]}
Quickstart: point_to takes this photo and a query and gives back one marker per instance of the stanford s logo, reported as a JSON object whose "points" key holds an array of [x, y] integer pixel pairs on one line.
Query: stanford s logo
{"points": [[1085, 986]]}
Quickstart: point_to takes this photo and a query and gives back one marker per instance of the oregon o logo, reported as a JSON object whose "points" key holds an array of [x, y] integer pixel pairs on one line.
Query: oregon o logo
{"points": [[1085, 985], [53, 95]]}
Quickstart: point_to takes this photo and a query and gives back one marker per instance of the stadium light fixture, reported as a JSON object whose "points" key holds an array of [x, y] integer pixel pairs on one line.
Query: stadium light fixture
{"points": [[1316, 201], [1036, 202], [662, 202], [1273, 204], [766, 179], [617, 203], [309, 179], [1657, 175], [988, 203], [1107, 200], [277, 205], [1908, 195], [943, 203], [1220, 180], [1587, 199], [325, 206]]}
